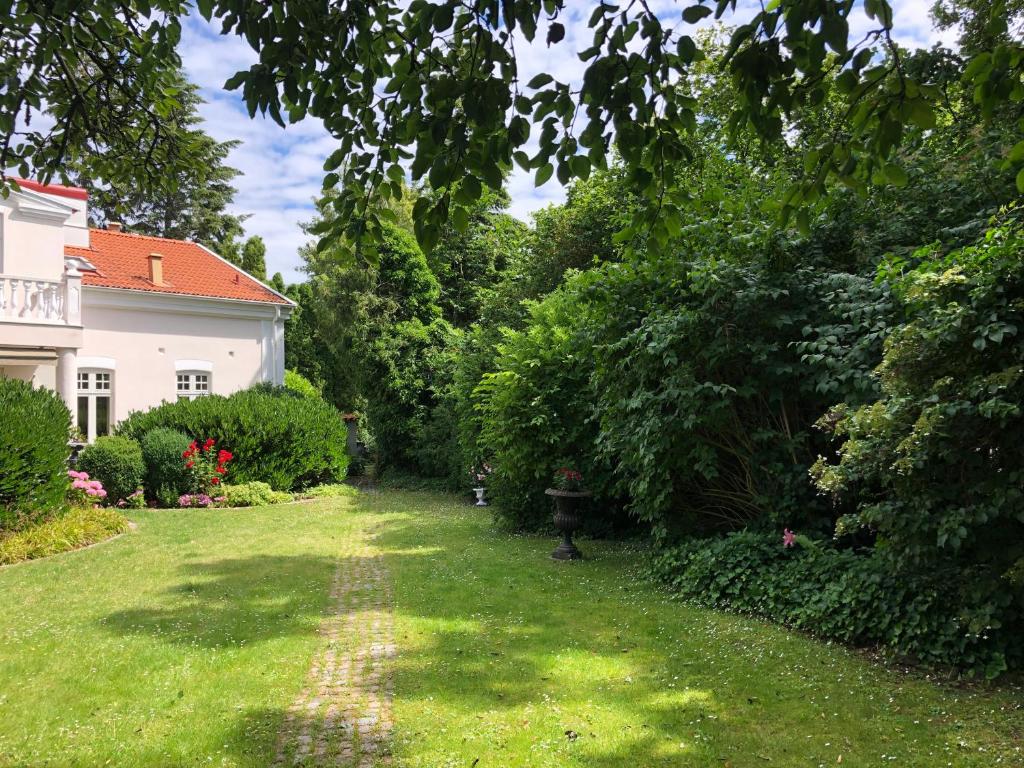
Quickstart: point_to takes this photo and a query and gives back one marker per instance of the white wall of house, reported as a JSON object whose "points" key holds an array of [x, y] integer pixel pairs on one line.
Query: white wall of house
{"points": [[34, 228], [146, 339]]}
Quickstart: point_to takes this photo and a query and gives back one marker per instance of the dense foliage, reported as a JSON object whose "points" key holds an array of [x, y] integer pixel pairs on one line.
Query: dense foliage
{"points": [[276, 436], [444, 89], [858, 598], [116, 461], [35, 425], [166, 477], [936, 464]]}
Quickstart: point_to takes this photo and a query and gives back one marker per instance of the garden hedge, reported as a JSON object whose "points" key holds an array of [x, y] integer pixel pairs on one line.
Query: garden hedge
{"points": [[166, 477], [864, 599], [278, 437], [35, 425], [117, 463]]}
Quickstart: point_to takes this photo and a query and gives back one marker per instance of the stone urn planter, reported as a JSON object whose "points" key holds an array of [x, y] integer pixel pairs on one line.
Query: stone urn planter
{"points": [[481, 500], [568, 516]]}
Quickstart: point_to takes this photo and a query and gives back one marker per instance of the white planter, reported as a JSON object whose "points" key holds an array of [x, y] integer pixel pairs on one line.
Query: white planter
{"points": [[480, 500]]}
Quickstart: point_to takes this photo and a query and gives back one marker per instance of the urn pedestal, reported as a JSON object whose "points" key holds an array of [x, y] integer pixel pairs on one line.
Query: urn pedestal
{"points": [[568, 516], [481, 499]]}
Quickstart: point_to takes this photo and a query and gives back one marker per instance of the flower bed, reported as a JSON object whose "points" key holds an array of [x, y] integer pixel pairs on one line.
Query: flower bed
{"points": [[80, 527]]}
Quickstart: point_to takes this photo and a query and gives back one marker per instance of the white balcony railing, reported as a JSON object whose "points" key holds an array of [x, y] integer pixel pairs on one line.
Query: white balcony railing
{"points": [[32, 300]]}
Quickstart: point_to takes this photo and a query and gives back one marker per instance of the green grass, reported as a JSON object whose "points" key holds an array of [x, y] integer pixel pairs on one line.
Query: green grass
{"points": [[503, 650], [180, 643], [183, 642]]}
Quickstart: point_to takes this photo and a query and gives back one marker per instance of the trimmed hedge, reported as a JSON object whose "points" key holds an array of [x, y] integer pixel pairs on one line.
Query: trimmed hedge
{"points": [[166, 477], [34, 429], [859, 599], [278, 437], [117, 463]]}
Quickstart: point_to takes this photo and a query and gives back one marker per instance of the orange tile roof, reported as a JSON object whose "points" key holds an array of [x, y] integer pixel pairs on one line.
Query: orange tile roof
{"points": [[122, 261]]}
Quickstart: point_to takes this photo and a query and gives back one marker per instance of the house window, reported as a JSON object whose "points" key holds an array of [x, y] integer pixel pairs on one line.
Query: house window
{"points": [[192, 385], [94, 411]]}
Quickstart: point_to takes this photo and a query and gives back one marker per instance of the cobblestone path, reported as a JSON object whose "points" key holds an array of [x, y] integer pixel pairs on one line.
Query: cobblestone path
{"points": [[342, 718]]}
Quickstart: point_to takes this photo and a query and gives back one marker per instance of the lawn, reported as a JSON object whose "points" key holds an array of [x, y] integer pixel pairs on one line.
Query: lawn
{"points": [[185, 641]]}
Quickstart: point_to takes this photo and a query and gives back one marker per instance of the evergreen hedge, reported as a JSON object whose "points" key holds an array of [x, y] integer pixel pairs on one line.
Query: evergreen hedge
{"points": [[34, 429], [278, 437]]}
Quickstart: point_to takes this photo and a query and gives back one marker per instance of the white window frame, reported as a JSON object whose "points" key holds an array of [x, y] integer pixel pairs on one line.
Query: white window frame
{"points": [[196, 384], [94, 383]]}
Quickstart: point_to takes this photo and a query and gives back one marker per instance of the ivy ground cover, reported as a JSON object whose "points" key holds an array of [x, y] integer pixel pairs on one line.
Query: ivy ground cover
{"points": [[185, 642]]}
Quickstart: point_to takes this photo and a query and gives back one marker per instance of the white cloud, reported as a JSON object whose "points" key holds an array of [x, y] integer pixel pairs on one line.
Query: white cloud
{"points": [[283, 167]]}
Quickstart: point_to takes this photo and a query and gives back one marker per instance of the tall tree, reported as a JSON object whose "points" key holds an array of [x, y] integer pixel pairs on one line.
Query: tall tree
{"points": [[469, 262], [254, 260], [194, 207]]}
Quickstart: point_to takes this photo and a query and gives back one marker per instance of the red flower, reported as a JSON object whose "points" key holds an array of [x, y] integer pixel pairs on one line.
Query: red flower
{"points": [[189, 464], [220, 470], [193, 445], [215, 480], [186, 453], [208, 444], [224, 456]]}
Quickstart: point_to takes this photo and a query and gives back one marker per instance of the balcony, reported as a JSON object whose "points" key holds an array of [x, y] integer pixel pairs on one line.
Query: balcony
{"points": [[41, 302]]}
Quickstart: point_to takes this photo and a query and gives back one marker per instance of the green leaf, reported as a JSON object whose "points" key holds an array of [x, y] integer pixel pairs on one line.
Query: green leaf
{"points": [[896, 175], [543, 174], [695, 13]]}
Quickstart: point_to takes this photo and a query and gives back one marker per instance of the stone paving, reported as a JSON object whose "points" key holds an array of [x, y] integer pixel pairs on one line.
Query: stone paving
{"points": [[342, 718]]}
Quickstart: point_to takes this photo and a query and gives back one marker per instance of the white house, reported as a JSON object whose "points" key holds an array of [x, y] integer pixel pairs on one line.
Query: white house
{"points": [[117, 322]]}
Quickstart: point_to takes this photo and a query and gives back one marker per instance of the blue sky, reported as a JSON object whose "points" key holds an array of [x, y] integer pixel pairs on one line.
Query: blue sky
{"points": [[282, 168]]}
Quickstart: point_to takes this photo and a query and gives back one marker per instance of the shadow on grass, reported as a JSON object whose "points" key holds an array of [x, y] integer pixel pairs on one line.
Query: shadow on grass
{"points": [[513, 654], [234, 601]]}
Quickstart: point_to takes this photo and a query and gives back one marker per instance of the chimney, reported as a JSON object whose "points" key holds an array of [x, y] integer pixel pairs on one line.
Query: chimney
{"points": [[156, 269], [113, 226]]}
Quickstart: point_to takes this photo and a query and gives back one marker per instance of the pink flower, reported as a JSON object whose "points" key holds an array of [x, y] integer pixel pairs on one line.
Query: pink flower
{"points": [[79, 483], [101, 493], [788, 538]]}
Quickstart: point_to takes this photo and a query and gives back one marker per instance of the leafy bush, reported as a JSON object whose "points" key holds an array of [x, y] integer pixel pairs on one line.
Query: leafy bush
{"points": [[166, 477], [535, 413], [276, 437], [79, 527], [252, 494], [117, 463], [936, 466], [330, 491], [709, 377], [35, 425], [299, 384], [407, 372], [861, 599]]}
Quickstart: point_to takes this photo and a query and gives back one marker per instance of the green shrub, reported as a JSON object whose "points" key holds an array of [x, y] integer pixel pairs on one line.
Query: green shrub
{"points": [[77, 528], [166, 477], [535, 414], [935, 467], [34, 429], [408, 370], [252, 494], [860, 599], [117, 463], [300, 385], [276, 436], [330, 491]]}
